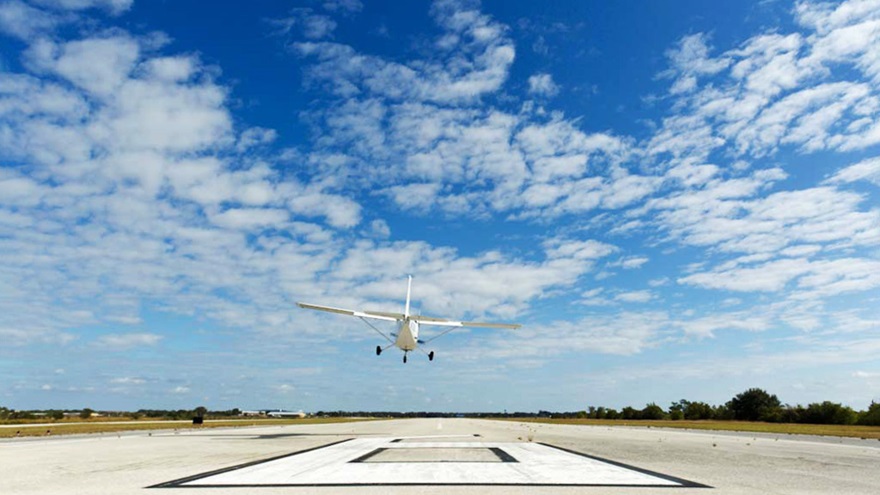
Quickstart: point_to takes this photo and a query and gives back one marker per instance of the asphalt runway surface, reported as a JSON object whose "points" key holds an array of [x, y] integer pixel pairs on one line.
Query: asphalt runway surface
{"points": [[457, 456]]}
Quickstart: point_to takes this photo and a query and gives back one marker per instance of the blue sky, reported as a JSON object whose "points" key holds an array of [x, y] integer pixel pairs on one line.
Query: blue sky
{"points": [[676, 200]]}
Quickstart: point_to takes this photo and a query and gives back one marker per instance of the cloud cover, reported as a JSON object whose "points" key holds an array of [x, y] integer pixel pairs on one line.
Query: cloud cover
{"points": [[130, 188]]}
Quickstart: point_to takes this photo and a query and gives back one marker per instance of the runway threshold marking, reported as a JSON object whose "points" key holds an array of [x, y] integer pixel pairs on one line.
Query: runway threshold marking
{"points": [[413, 463]]}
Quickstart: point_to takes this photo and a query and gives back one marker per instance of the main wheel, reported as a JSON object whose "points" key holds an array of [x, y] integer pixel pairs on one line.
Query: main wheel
{"points": [[378, 350], [431, 356]]}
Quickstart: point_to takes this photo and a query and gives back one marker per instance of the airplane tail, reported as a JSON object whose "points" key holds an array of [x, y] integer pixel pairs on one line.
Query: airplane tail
{"points": [[408, 290]]}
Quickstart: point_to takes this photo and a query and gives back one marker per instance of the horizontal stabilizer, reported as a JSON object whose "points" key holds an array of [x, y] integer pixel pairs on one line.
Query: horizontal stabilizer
{"points": [[349, 312]]}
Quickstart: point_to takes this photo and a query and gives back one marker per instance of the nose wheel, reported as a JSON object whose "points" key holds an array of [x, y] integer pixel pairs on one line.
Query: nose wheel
{"points": [[404, 357]]}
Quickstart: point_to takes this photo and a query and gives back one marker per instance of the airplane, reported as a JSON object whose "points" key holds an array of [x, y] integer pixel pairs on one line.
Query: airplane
{"points": [[407, 336]]}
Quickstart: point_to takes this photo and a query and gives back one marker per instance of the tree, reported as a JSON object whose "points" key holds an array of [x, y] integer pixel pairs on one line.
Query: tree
{"points": [[86, 413], [698, 410], [630, 413], [200, 411], [676, 409], [653, 411], [828, 413], [792, 414], [871, 417], [755, 405]]}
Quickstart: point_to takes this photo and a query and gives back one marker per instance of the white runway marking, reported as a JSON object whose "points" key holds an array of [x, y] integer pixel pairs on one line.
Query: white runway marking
{"points": [[385, 461]]}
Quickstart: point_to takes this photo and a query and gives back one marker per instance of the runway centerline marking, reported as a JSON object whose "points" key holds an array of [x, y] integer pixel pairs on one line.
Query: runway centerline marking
{"points": [[387, 461]]}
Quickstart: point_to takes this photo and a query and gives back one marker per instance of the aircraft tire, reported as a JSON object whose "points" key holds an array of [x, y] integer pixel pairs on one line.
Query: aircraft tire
{"points": [[404, 358], [378, 350], [431, 356]]}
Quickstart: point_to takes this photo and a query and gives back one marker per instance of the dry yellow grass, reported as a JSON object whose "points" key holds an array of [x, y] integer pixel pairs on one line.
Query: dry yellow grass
{"points": [[854, 431], [70, 427]]}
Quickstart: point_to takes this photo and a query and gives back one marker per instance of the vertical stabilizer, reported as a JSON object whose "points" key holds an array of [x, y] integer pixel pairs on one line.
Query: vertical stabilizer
{"points": [[408, 289]]}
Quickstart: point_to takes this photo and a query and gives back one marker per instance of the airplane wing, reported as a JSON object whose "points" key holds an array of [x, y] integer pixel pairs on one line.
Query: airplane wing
{"points": [[349, 312], [427, 320], [396, 316]]}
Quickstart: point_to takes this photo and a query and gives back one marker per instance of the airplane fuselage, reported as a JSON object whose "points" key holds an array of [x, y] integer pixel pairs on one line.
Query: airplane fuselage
{"points": [[407, 335]]}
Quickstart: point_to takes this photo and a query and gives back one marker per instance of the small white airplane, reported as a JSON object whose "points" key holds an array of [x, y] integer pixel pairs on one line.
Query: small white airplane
{"points": [[407, 336]]}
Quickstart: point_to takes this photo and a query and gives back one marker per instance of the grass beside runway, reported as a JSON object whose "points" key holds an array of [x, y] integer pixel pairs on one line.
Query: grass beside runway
{"points": [[87, 427], [852, 431]]}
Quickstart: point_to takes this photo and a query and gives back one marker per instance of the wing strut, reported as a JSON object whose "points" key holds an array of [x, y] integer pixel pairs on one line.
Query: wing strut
{"points": [[380, 332], [444, 332]]}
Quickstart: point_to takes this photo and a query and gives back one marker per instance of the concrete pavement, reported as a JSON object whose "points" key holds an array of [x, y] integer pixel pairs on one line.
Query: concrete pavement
{"points": [[506, 457]]}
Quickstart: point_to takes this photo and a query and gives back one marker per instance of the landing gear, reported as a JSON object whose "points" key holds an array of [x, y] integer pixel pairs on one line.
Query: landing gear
{"points": [[378, 350], [404, 358], [431, 356]]}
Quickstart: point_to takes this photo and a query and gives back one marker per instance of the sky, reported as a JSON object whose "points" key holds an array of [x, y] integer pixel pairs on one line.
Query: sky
{"points": [[677, 200]]}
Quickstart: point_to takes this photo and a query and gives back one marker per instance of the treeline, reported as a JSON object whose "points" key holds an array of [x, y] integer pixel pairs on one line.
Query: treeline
{"points": [[200, 412], [752, 405], [171, 414], [54, 414]]}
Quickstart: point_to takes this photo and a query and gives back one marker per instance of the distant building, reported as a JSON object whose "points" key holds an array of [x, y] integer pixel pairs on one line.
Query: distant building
{"points": [[285, 414], [275, 413]]}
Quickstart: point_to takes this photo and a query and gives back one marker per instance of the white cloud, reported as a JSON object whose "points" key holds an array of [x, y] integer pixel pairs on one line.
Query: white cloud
{"points": [[722, 215], [625, 334], [128, 380], [351, 6], [113, 6], [456, 285], [708, 325], [23, 21], [252, 218], [127, 340], [98, 65], [635, 296], [474, 58], [542, 84], [690, 60], [340, 212], [138, 187], [632, 262], [588, 250], [380, 228], [814, 278], [867, 170], [311, 25]]}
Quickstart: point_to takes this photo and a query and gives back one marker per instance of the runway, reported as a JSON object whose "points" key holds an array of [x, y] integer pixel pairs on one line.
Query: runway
{"points": [[438, 456]]}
